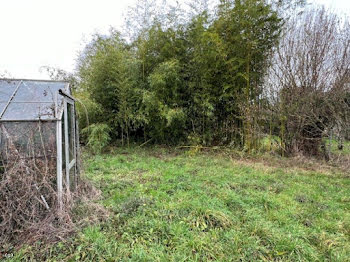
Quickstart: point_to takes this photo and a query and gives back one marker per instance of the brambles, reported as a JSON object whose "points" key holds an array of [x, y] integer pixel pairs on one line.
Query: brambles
{"points": [[29, 209], [29, 206]]}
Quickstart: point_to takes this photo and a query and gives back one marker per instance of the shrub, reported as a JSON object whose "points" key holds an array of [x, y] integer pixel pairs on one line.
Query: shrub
{"points": [[98, 137]]}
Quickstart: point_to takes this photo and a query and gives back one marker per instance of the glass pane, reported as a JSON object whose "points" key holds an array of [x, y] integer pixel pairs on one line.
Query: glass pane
{"points": [[72, 177], [29, 139], [6, 89], [33, 92], [71, 137], [2, 106], [38, 91], [24, 111]]}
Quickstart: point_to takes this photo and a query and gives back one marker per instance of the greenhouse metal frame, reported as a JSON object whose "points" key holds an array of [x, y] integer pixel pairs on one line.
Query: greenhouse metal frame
{"points": [[38, 118]]}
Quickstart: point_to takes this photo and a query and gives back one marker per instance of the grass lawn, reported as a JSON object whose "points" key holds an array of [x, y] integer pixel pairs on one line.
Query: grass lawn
{"points": [[169, 205]]}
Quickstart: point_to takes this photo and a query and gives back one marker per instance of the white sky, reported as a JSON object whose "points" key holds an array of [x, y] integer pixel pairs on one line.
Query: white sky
{"points": [[37, 33]]}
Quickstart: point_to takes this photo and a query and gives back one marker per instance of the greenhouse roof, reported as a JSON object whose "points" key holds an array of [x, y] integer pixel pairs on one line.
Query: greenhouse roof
{"points": [[30, 99]]}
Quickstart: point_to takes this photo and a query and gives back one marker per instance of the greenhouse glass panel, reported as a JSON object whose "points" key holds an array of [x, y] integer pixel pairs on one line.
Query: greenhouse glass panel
{"points": [[6, 90], [2, 106], [31, 139], [38, 91], [29, 111], [70, 131]]}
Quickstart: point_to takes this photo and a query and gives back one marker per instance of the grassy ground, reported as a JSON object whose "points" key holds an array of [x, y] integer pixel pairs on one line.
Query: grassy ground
{"points": [[168, 205], [335, 150]]}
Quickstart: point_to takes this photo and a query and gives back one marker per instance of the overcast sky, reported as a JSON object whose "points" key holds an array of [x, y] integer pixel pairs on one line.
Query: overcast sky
{"points": [[37, 33]]}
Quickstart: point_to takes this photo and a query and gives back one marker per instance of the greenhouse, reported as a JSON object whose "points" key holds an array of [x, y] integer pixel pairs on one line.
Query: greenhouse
{"points": [[38, 124]]}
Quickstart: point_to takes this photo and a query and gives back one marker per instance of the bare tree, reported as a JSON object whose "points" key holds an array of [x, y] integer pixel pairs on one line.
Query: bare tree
{"points": [[141, 16], [308, 82], [5, 74]]}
